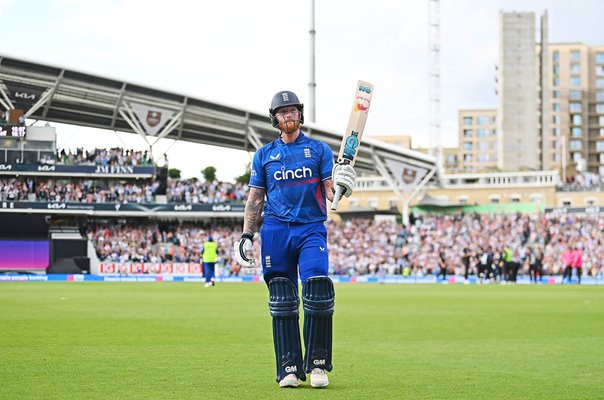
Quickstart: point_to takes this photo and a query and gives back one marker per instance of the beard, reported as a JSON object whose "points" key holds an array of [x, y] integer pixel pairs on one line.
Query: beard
{"points": [[290, 126]]}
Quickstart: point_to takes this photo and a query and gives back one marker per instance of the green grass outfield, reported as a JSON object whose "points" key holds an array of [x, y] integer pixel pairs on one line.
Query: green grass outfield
{"points": [[183, 341]]}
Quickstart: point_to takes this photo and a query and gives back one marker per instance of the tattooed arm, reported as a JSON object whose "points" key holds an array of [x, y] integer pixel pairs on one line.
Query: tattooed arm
{"points": [[253, 210], [328, 186]]}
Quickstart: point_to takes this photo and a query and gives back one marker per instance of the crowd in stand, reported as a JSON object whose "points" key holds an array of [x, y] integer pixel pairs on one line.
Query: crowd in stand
{"points": [[191, 191], [195, 191], [585, 181], [114, 156], [360, 247]]}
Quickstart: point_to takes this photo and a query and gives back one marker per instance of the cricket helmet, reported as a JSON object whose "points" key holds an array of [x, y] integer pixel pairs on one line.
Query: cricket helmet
{"points": [[285, 98]]}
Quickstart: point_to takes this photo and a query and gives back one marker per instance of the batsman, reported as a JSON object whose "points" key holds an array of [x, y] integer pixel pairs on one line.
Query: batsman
{"points": [[291, 178]]}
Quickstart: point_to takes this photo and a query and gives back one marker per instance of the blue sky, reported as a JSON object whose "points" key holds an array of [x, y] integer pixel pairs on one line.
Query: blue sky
{"points": [[241, 52]]}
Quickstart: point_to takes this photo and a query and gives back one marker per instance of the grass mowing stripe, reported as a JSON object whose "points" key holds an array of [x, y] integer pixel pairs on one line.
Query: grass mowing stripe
{"points": [[181, 340]]}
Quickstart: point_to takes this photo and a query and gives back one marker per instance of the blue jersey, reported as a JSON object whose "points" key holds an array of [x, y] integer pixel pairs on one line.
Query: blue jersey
{"points": [[292, 175]]}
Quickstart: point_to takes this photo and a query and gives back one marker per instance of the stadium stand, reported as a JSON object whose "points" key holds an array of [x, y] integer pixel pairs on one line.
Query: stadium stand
{"points": [[361, 247], [358, 246]]}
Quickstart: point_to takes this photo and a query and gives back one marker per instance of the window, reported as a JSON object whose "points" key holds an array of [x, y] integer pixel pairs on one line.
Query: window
{"points": [[575, 145], [601, 130], [566, 202], [482, 120], [467, 158], [599, 70], [467, 133], [575, 56], [601, 171], [556, 94], [601, 120], [600, 95], [556, 69], [575, 69], [494, 199], [514, 199], [577, 157], [601, 158], [556, 106], [556, 81], [576, 132], [575, 81], [451, 158], [556, 56], [600, 108], [556, 131], [556, 119], [467, 120], [600, 58], [590, 201], [536, 198], [557, 157], [600, 145], [577, 119], [575, 107], [600, 83], [373, 202], [575, 95], [482, 133], [463, 199], [467, 145]]}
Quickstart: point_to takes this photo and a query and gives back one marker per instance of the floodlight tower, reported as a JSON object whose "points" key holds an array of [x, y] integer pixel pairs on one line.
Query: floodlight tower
{"points": [[435, 134], [312, 84]]}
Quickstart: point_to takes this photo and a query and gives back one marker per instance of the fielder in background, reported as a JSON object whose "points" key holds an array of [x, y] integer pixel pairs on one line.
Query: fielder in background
{"points": [[294, 173], [209, 255]]}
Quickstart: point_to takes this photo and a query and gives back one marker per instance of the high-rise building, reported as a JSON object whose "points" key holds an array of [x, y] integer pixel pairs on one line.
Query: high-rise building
{"points": [[551, 100], [576, 107], [478, 140], [516, 87]]}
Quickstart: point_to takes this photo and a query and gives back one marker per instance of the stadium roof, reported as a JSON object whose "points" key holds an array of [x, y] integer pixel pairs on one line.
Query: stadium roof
{"points": [[62, 95]]}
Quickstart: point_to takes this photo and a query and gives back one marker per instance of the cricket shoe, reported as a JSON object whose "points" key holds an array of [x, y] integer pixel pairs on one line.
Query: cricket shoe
{"points": [[290, 380], [208, 284], [318, 378]]}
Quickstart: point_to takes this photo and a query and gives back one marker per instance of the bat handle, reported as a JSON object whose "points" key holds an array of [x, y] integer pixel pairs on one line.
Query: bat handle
{"points": [[336, 198]]}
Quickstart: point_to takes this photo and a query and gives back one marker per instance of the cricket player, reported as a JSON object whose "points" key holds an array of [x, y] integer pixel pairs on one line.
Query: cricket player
{"points": [[290, 180]]}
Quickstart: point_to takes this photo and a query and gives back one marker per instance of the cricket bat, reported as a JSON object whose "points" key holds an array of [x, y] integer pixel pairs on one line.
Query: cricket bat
{"points": [[354, 132]]}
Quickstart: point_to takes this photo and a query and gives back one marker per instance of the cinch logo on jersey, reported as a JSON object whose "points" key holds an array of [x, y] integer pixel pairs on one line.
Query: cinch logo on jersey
{"points": [[286, 174]]}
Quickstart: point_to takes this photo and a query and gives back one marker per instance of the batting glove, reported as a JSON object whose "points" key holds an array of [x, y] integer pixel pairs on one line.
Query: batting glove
{"points": [[242, 246], [345, 176]]}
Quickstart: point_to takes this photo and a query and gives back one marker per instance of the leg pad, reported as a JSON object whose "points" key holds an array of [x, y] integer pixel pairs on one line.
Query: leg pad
{"points": [[318, 296], [284, 307]]}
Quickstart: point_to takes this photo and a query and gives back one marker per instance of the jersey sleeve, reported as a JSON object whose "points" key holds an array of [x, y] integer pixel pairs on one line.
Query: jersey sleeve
{"points": [[326, 162], [257, 175]]}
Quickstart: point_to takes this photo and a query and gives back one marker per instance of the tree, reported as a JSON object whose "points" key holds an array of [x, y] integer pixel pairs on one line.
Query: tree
{"points": [[245, 178], [174, 173], [209, 174]]}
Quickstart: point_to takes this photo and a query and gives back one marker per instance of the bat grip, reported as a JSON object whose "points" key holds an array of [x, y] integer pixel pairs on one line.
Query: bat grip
{"points": [[336, 197]]}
